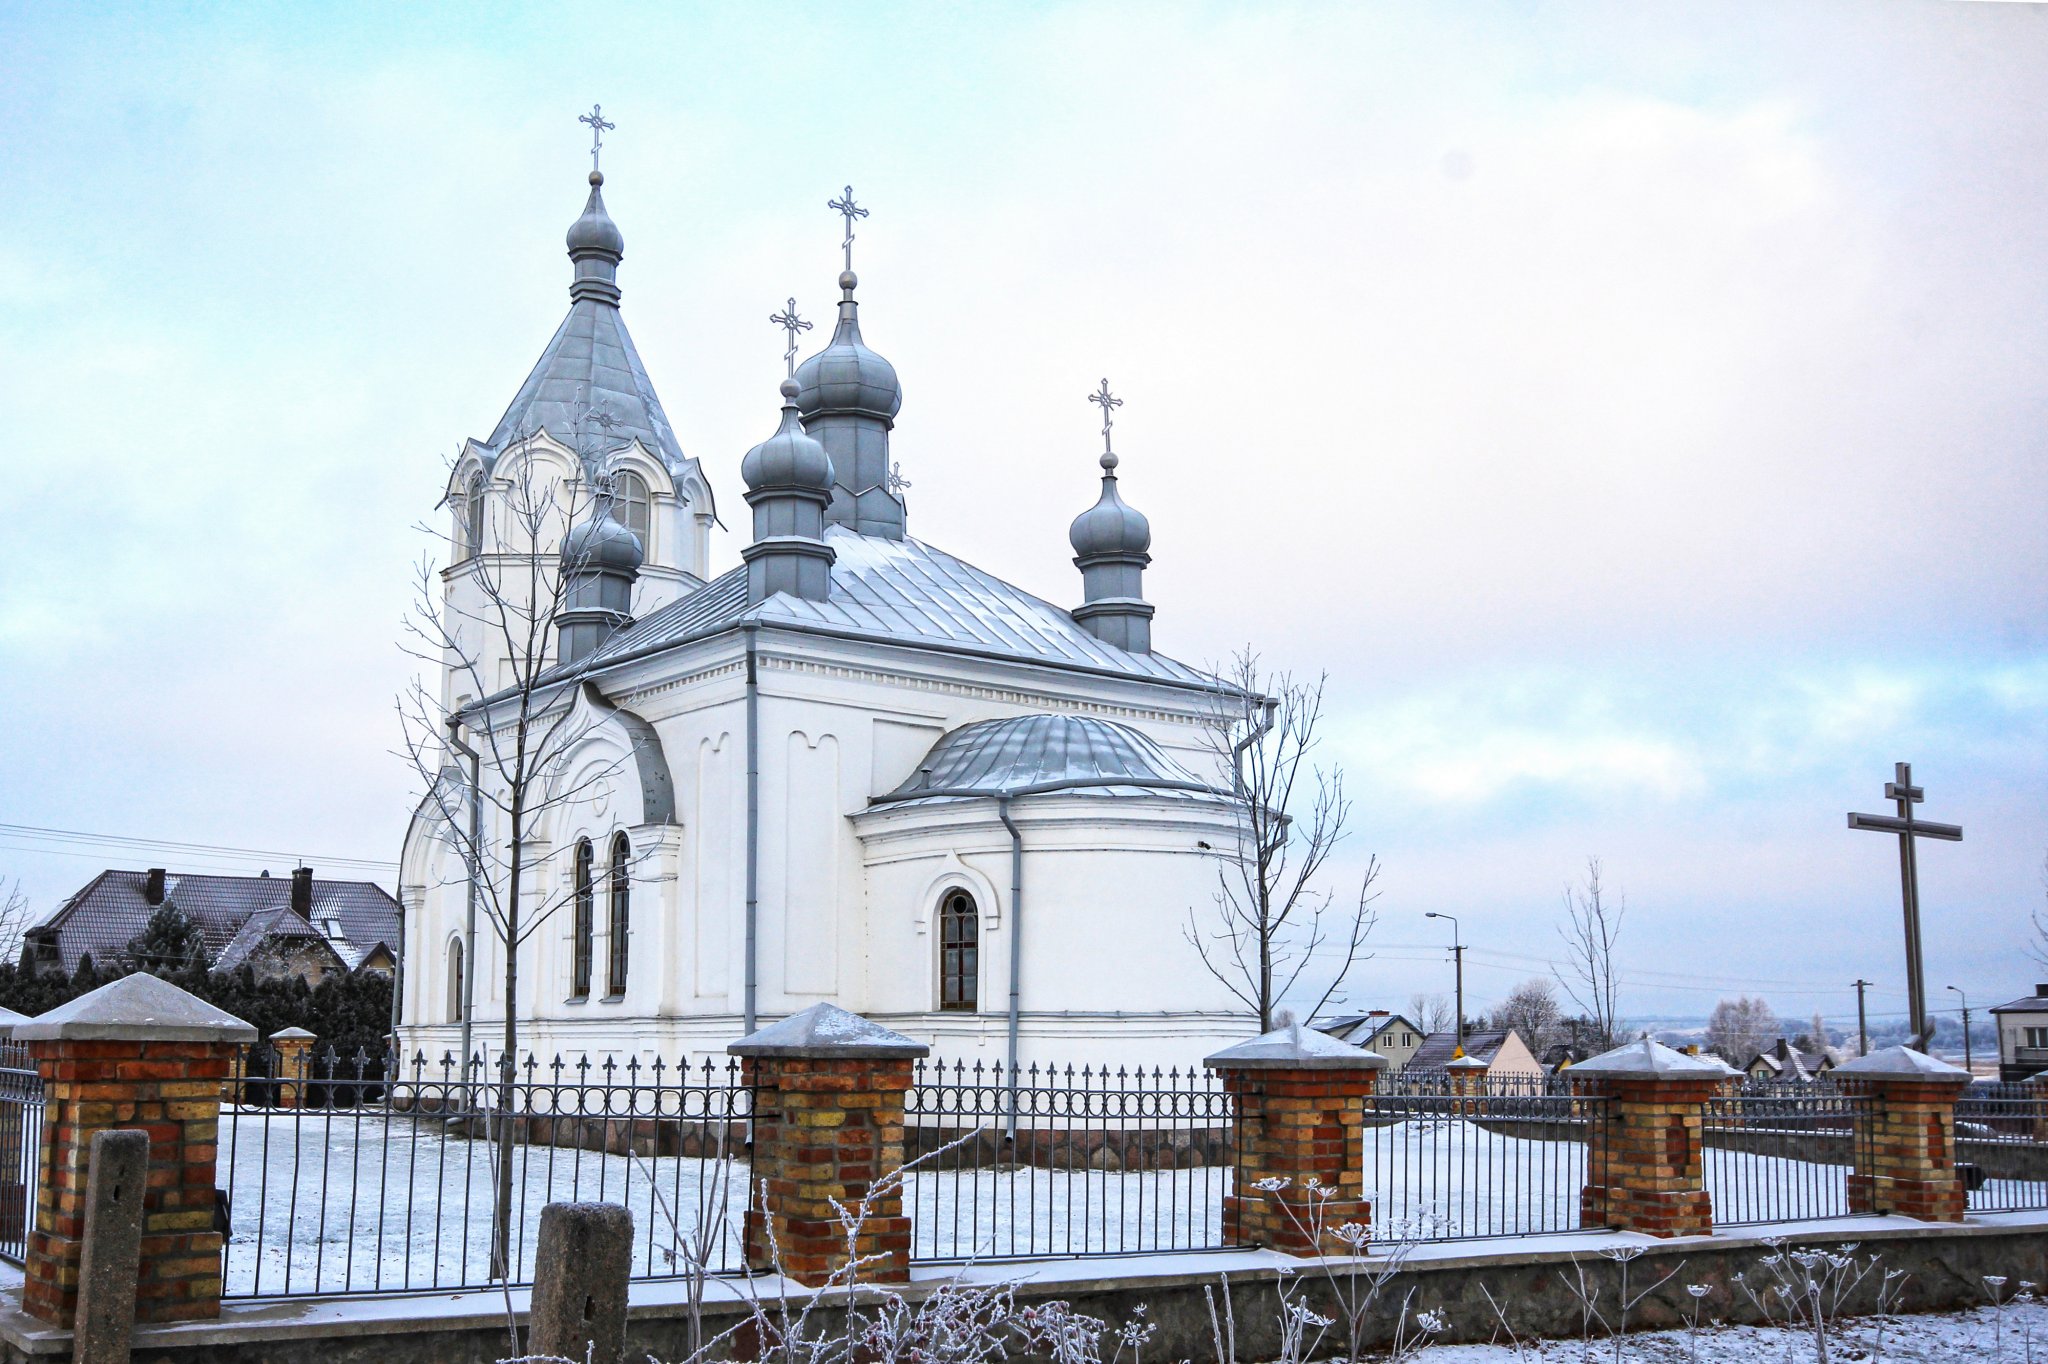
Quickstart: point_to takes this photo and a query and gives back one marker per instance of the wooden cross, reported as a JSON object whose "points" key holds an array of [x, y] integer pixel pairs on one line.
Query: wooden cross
{"points": [[1907, 795], [598, 128]]}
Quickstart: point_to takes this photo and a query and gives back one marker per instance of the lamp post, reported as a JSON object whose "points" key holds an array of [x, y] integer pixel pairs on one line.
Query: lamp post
{"points": [[1967, 1058], [1458, 956]]}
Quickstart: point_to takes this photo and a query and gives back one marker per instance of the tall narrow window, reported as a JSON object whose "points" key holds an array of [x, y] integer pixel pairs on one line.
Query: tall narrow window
{"points": [[473, 516], [455, 982], [585, 922], [631, 502], [959, 953], [621, 891]]}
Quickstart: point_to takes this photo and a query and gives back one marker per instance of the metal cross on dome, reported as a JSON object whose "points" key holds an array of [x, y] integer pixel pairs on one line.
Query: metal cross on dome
{"points": [[1907, 795], [792, 324], [846, 208], [598, 128], [1107, 401]]}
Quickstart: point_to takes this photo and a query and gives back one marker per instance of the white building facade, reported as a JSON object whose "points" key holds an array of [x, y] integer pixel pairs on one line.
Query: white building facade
{"points": [[854, 769]]}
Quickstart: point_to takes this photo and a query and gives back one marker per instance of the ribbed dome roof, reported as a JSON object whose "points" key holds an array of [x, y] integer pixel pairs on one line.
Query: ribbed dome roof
{"points": [[1110, 526], [789, 459], [601, 544], [1026, 751], [846, 376]]}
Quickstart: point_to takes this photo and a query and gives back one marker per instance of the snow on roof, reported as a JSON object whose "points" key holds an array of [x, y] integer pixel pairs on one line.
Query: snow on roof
{"points": [[1900, 1061], [826, 1030]]}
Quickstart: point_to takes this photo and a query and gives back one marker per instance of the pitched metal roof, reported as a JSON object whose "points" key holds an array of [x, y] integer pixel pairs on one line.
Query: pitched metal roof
{"points": [[591, 365], [2036, 1002], [902, 591], [1038, 752], [282, 924], [1438, 1048], [113, 907]]}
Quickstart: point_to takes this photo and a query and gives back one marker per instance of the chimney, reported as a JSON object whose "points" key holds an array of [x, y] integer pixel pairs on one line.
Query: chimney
{"points": [[302, 891], [1377, 1013], [2041, 988], [153, 891]]}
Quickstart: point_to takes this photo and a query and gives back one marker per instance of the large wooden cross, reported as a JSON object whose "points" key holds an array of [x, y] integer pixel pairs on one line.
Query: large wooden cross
{"points": [[1902, 790]]}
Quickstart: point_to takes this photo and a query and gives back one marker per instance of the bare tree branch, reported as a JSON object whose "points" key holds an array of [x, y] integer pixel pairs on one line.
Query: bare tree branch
{"points": [[1591, 928]]}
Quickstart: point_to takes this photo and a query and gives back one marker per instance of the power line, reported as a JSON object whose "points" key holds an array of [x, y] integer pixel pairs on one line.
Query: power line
{"points": [[78, 838]]}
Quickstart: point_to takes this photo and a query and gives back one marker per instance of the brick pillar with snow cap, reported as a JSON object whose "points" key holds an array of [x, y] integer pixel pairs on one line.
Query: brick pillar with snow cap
{"points": [[1645, 1117], [1301, 1097], [137, 1053], [291, 1058], [828, 1090], [1905, 1134]]}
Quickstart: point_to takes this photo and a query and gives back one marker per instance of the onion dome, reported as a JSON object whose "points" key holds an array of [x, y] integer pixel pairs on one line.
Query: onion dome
{"points": [[1110, 526], [789, 460], [602, 545], [597, 246], [847, 377]]}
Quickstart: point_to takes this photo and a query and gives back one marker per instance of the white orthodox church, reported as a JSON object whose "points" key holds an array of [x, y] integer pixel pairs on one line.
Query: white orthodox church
{"points": [[855, 768]]}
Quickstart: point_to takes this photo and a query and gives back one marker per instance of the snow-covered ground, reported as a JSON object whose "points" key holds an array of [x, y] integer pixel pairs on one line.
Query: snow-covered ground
{"points": [[2016, 1335]]}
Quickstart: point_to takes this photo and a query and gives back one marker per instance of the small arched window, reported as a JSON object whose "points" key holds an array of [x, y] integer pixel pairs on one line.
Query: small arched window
{"points": [[473, 516], [620, 894], [584, 924], [632, 504], [959, 953], [455, 981]]}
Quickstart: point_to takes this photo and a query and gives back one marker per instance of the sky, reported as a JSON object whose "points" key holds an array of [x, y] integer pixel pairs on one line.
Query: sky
{"points": [[1637, 412]]}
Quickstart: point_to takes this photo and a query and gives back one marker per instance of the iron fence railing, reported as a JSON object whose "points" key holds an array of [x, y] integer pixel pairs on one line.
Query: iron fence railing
{"points": [[21, 1151], [2002, 1146], [1441, 1166], [1776, 1156], [1064, 1161], [375, 1174]]}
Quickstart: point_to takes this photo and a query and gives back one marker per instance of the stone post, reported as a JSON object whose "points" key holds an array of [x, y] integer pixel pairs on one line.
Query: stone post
{"points": [[580, 1267], [828, 1090], [291, 1055], [1301, 1099], [1905, 1134], [112, 1259], [137, 1053], [1643, 1139]]}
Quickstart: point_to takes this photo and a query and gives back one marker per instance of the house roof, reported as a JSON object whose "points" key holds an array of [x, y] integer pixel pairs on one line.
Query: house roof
{"points": [[281, 923], [113, 907], [1438, 1049], [904, 592], [2036, 1002], [1788, 1062], [1359, 1029]]}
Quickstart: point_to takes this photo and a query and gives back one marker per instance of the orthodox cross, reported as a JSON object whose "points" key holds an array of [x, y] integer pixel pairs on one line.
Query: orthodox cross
{"points": [[896, 482], [792, 324], [598, 128], [849, 210], [1902, 790], [1108, 402]]}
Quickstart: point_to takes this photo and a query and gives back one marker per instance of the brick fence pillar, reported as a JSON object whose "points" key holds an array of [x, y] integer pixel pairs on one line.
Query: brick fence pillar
{"points": [[137, 1053], [828, 1092], [1905, 1134], [291, 1058], [1643, 1139], [1301, 1097]]}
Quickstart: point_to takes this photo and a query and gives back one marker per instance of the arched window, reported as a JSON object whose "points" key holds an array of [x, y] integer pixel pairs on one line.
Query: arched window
{"points": [[959, 953], [630, 504], [585, 922], [473, 516], [621, 890], [455, 982]]}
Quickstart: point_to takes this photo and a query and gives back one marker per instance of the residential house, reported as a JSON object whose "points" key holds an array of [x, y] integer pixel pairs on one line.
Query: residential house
{"points": [[1783, 1061], [1389, 1034], [1503, 1050], [2023, 1035]]}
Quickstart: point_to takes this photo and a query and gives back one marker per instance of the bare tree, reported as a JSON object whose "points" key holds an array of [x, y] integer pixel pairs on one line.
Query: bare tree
{"points": [[2037, 946], [15, 922], [489, 632], [1531, 1011], [1592, 926], [1432, 1012], [1273, 921], [1740, 1028]]}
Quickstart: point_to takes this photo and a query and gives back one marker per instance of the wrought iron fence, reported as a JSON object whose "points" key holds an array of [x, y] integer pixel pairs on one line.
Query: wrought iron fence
{"points": [[1776, 1154], [21, 1153], [2002, 1146], [1443, 1166], [1411, 1083], [1063, 1161], [375, 1174]]}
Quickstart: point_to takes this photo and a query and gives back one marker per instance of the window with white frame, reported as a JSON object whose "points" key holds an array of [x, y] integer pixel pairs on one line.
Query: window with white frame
{"points": [[632, 506], [582, 924], [473, 516], [619, 890]]}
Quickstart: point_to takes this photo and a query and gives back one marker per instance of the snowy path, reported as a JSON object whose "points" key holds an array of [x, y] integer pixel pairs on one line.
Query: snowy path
{"points": [[2017, 1336]]}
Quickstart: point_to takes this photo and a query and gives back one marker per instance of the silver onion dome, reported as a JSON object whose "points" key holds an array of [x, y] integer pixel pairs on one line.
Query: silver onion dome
{"points": [[602, 545], [595, 232], [789, 459], [1110, 526], [846, 376]]}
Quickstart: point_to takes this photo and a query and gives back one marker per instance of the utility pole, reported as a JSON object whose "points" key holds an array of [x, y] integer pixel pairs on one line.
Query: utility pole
{"points": [[1967, 1057], [1457, 956], [1862, 1020]]}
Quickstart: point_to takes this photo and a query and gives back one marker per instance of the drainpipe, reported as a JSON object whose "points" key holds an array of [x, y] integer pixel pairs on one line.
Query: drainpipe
{"points": [[1016, 953], [1257, 732], [476, 821], [753, 831]]}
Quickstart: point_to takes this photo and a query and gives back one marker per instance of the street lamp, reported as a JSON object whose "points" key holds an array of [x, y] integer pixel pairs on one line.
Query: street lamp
{"points": [[1458, 956], [1966, 1029]]}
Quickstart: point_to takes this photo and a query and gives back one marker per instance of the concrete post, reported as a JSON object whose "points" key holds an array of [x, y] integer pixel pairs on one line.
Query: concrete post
{"points": [[1905, 1134], [1301, 1097], [112, 1259], [291, 1055], [828, 1124], [142, 1053], [1643, 1141], [580, 1268]]}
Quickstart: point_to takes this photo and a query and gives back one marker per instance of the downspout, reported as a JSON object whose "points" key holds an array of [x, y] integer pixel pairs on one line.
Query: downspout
{"points": [[1016, 956], [753, 830], [476, 821]]}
